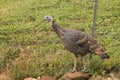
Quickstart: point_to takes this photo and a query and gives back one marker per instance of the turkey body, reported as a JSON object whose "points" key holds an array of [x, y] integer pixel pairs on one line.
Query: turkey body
{"points": [[70, 37], [78, 42]]}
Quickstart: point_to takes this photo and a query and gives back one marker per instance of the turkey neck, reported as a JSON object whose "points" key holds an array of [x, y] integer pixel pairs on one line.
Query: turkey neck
{"points": [[57, 29]]}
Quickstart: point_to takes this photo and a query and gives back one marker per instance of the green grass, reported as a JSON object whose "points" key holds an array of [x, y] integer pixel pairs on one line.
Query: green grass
{"points": [[29, 47]]}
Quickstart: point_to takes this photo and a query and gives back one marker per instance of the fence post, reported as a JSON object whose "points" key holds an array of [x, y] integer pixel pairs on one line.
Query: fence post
{"points": [[93, 28], [94, 17]]}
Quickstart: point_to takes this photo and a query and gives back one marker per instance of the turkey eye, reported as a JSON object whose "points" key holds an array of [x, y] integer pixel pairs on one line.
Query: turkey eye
{"points": [[46, 17]]}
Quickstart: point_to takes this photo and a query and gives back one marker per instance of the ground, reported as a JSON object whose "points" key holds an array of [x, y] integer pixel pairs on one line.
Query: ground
{"points": [[29, 47]]}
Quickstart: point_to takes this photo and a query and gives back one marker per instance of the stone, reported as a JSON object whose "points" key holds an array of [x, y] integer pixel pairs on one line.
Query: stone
{"points": [[75, 76], [30, 78], [97, 78], [112, 77], [38, 78], [47, 78]]}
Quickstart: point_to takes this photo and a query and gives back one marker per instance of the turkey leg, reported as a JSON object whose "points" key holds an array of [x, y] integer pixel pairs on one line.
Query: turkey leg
{"points": [[84, 63], [75, 64]]}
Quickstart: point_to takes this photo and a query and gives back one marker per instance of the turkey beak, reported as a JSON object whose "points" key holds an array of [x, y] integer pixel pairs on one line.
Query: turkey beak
{"points": [[47, 19]]}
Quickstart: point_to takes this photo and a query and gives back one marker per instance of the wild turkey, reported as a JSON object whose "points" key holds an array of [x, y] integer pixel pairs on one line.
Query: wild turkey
{"points": [[77, 42]]}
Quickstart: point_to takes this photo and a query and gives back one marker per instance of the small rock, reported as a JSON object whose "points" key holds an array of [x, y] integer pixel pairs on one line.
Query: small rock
{"points": [[97, 78], [109, 79], [39, 78], [113, 77], [47, 78], [75, 76], [104, 78], [30, 78]]}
